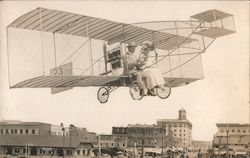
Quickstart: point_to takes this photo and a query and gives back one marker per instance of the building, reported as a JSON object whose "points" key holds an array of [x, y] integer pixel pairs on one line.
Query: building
{"points": [[202, 146], [235, 135], [145, 136], [178, 131], [113, 141], [36, 138], [120, 130]]}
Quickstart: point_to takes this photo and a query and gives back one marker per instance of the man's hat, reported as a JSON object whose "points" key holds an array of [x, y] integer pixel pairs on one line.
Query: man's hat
{"points": [[132, 44]]}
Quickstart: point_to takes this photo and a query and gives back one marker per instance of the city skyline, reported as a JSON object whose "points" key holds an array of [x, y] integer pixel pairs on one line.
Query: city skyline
{"points": [[222, 96], [61, 124]]}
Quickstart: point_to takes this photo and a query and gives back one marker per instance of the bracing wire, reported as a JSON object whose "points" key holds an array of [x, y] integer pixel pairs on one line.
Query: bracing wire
{"points": [[189, 59], [176, 47], [74, 52], [8, 56]]}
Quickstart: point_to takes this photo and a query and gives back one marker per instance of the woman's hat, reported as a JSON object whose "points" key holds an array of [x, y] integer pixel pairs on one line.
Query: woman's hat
{"points": [[132, 44]]}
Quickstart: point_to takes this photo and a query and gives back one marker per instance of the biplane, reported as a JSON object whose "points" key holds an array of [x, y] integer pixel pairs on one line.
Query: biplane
{"points": [[61, 50]]}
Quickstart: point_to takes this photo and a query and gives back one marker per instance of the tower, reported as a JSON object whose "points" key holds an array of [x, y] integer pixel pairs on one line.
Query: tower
{"points": [[182, 114]]}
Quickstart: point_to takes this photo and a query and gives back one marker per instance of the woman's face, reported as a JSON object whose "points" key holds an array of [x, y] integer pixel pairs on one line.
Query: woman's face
{"points": [[131, 49]]}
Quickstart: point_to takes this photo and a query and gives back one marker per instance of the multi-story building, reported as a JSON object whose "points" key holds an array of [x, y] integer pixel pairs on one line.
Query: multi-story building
{"points": [[145, 135], [235, 135], [179, 131], [35, 138], [112, 141]]}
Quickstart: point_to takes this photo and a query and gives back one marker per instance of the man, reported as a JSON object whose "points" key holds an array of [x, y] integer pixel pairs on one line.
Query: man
{"points": [[131, 64]]}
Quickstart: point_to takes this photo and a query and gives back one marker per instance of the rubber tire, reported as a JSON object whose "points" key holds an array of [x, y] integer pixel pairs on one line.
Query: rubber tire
{"points": [[159, 94], [132, 96], [107, 95]]}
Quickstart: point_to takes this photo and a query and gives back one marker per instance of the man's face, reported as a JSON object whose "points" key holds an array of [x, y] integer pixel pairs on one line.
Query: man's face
{"points": [[131, 49]]}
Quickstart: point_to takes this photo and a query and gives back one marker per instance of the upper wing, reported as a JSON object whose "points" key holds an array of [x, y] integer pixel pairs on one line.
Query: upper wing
{"points": [[48, 20]]}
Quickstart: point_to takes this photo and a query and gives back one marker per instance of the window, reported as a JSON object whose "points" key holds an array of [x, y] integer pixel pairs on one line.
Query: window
{"points": [[233, 130], [33, 131], [222, 130], [1, 131], [112, 144], [21, 131], [244, 131], [26, 131], [12, 131], [180, 130], [7, 131], [78, 152], [15, 131], [238, 130], [17, 150], [180, 135]]}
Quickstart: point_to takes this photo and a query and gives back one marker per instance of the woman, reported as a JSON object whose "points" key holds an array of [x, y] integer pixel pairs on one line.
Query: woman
{"points": [[152, 76]]}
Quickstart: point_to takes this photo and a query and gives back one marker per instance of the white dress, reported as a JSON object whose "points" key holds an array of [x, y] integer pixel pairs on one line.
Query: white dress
{"points": [[152, 75]]}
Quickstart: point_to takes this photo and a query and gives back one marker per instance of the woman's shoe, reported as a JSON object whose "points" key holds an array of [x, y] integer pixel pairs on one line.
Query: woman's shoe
{"points": [[162, 87], [151, 92]]}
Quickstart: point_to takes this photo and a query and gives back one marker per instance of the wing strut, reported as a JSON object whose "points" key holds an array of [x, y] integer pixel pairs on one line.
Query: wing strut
{"points": [[178, 48], [54, 40], [41, 30], [90, 45], [156, 54]]}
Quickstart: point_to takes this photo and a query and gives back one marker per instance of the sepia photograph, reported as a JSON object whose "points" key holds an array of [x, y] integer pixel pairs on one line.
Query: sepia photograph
{"points": [[124, 79]]}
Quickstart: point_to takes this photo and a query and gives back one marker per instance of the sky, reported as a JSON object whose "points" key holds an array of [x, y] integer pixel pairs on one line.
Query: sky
{"points": [[221, 97]]}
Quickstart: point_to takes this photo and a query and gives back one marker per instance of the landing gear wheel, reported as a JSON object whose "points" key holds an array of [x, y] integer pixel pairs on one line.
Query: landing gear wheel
{"points": [[164, 92], [135, 93], [103, 95]]}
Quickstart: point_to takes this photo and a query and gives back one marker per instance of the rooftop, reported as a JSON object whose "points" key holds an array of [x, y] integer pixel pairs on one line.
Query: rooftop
{"points": [[232, 125], [17, 122], [143, 126], [173, 121]]}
